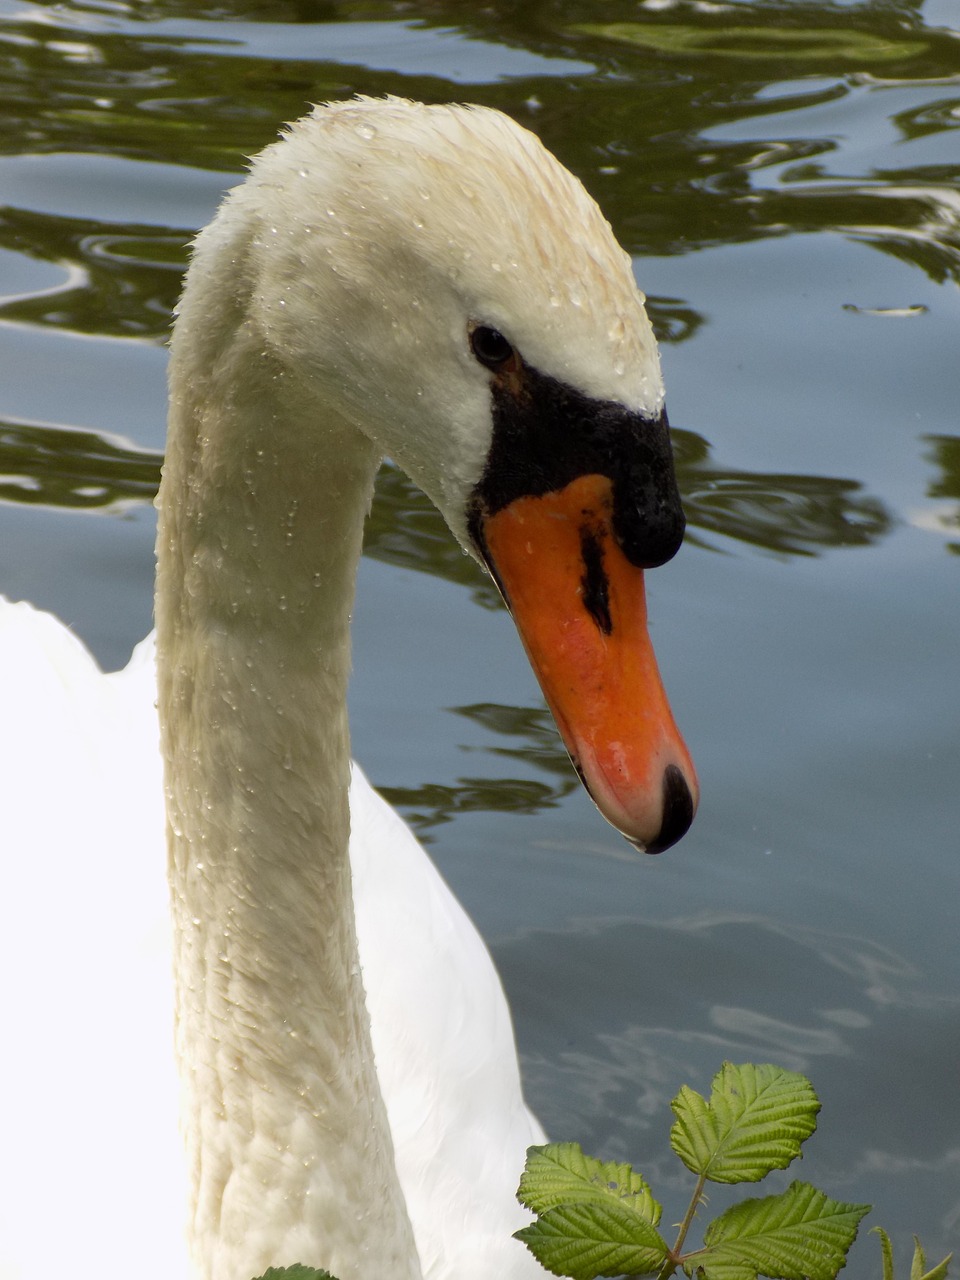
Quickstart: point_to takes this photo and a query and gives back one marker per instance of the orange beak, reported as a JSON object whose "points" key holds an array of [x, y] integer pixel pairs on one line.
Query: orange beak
{"points": [[580, 608]]}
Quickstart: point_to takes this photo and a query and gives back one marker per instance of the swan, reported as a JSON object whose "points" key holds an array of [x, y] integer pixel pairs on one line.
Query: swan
{"points": [[423, 282]]}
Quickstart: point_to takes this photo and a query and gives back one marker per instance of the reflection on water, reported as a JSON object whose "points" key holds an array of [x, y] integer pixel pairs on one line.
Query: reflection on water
{"points": [[434, 804], [722, 38], [847, 1009], [944, 453], [792, 515], [670, 176], [536, 743], [122, 281], [57, 467]]}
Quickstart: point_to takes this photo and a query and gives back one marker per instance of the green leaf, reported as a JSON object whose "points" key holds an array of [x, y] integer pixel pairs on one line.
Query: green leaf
{"points": [[918, 1269], [297, 1272], [886, 1249], [756, 1120], [560, 1173], [588, 1240], [798, 1235]]}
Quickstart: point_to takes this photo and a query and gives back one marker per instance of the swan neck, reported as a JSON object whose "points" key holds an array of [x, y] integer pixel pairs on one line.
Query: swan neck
{"points": [[261, 515]]}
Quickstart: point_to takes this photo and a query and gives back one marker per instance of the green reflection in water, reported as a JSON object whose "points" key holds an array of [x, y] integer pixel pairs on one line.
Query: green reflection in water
{"points": [[786, 514], [945, 453], [434, 804], [119, 280], [535, 742], [636, 130], [802, 44], [534, 727], [73, 470]]}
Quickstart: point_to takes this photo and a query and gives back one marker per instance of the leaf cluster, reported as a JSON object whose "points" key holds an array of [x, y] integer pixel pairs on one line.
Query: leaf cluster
{"points": [[596, 1219], [297, 1272], [918, 1267]]}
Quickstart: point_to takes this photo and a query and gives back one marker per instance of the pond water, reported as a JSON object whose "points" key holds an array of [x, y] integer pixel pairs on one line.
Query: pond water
{"points": [[786, 176]]}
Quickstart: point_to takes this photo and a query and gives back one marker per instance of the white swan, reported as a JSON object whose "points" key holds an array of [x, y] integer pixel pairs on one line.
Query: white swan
{"points": [[426, 282]]}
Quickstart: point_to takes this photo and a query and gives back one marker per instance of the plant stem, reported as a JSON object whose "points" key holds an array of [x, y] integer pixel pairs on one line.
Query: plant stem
{"points": [[673, 1261]]}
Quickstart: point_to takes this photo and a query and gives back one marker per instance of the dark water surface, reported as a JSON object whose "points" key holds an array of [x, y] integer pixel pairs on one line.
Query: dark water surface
{"points": [[787, 177]]}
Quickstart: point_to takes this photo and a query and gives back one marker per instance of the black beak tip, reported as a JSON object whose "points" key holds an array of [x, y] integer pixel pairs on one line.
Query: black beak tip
{"points": [[678, 811]]}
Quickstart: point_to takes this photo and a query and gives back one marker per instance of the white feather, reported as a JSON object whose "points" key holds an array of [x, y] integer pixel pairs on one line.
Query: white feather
{"points": [[92, 1172]]}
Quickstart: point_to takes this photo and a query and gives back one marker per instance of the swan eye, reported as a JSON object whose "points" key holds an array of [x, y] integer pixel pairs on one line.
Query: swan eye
{"points": [[491, 347]]}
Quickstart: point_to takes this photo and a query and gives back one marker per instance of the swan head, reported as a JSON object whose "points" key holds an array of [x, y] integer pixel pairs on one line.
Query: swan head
{"points": [[433, 277]]}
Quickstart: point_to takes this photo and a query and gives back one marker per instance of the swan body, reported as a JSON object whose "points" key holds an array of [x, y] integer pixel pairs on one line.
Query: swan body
{"points": [[391, 278], [92, 1165]]}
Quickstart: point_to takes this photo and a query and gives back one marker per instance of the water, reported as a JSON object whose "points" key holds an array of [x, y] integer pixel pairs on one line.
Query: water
{"points": [[786, 176]]}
